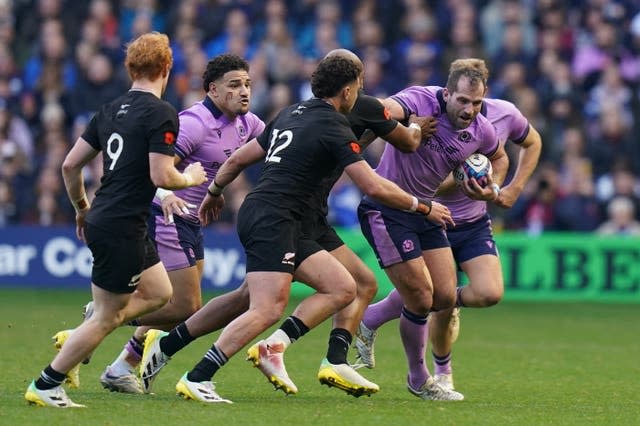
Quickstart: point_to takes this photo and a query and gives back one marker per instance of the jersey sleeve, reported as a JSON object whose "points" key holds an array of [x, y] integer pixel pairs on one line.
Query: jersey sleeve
{"points": [[342, 143], [190, 136], [163, 129], [518, 127], [489, 142], [377, 118], [256, 125], [263, 138], [419, 100], [90, 134]]}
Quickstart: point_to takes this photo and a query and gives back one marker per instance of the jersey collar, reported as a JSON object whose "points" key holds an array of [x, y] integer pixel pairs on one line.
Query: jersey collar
{"points": [[212, 107]]}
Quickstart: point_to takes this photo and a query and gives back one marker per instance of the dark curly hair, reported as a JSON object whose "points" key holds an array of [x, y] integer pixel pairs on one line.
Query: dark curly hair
{"points": [[221, 64], [331, 75]]}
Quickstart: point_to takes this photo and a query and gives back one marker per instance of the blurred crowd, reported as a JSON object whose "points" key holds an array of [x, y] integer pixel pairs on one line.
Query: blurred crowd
{"points": [[572, 67]]}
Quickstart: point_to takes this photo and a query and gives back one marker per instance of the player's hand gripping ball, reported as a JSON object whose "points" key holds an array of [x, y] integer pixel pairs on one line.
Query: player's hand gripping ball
{"points": [[475, 166]]}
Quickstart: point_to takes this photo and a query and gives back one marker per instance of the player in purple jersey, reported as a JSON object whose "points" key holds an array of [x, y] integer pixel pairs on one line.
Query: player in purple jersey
{"points": [[416, 252], [471, 240], [135, 134]]}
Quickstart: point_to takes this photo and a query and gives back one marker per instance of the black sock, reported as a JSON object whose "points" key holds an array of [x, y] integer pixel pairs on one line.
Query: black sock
{"points": [[294, 328], [208, 365], [177, 339], [50, 378], [339, 342]]}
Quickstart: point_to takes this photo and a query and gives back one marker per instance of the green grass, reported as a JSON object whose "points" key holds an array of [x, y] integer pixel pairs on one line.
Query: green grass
{"points": [[516, 363]]}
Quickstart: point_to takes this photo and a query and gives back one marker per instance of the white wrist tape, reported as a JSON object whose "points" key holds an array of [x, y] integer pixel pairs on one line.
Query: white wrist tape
{"points": [[188, 179], [162, 193], [415, 126], [496, 188], [414, 204]]}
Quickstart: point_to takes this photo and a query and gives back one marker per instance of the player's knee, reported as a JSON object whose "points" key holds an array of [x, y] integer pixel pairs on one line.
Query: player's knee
{"points": [[345, 292], [491, 297], [367, 286]]}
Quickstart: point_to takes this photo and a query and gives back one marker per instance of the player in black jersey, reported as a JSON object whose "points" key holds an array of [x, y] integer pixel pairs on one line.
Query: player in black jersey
{"points": [[367, 113], [303, 145], [135, 133]]}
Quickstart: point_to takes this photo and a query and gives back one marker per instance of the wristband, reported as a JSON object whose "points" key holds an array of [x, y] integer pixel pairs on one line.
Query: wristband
{"points": [[424, 207], [188, 180], [214, 189], [415, 126], [496, 188], [162, 193], [81, 204]]}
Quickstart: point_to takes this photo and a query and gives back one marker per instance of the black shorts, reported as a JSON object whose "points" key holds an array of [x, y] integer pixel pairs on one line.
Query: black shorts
{"points": [[118, 261], [317, 235], [269, 236]]}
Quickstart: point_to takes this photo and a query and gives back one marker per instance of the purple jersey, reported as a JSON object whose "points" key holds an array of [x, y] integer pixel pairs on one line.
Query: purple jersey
{"points": [[421, 172], [511, 125], [207, 136]]}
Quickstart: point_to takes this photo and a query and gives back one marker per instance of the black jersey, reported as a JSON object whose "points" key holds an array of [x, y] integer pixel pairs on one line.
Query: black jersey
{"points": [[305, 143], [367, 113], [126, 130]]}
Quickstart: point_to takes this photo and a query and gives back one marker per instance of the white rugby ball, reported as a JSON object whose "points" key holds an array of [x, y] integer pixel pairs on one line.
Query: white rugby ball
{"points": [[475, 166]]}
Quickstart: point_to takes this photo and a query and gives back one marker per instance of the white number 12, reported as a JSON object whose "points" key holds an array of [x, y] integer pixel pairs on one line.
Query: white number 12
{"points": [[282, 140]]}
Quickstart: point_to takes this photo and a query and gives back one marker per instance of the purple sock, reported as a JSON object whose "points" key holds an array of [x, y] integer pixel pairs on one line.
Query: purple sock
{"points": [[134, 347], [441, 364], [413, 331], [384, 311], [459, 302]]}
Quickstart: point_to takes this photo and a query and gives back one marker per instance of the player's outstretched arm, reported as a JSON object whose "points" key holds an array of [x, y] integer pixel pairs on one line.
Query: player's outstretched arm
{"points": [[248, 154], [527, 162], [390, 194], [165, 175]]}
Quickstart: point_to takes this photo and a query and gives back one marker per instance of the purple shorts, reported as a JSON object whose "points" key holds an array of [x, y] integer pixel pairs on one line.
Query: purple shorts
{"points": [[179, 244], [471, 240], [397, 236]]}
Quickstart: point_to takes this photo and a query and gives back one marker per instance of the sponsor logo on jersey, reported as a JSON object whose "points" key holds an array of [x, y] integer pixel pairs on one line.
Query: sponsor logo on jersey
{"points": [[124, 108], [355, 147], [169, 138], [289, 259]]}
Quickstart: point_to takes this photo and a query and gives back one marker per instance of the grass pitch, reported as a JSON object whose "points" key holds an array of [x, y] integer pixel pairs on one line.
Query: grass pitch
{"points": [[516, 363]]}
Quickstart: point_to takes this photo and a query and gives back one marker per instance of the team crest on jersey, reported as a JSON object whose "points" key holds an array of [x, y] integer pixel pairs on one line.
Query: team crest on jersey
{"points": [[464, 136], [355, 147], [242, 131], [169, 138]]}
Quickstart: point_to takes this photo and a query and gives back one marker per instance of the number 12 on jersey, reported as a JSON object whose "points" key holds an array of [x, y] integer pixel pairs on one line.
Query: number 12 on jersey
{"points": [[279, 141]]}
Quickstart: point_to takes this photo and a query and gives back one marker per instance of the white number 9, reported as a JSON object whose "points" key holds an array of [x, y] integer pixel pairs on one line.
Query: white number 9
{"points": [[114, 154]]}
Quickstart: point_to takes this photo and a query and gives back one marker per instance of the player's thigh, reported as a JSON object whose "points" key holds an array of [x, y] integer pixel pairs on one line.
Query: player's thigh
{"points": [[361, 273], [442, 269], [107, 305], [485, 276], [186, 283], [154, 283], [325, 274]]}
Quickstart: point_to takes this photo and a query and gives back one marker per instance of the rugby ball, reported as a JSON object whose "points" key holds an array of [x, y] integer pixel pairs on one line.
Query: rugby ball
{"points": [[475, 166]]}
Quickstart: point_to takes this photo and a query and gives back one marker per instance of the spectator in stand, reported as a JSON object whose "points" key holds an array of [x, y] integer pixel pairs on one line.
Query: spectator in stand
{"points": [[621, 220]]}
